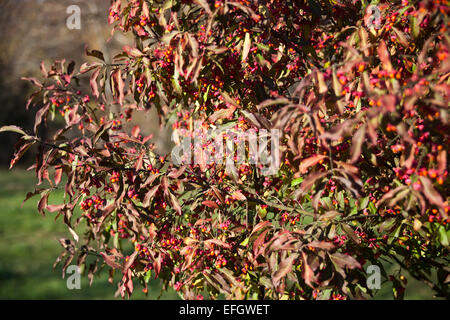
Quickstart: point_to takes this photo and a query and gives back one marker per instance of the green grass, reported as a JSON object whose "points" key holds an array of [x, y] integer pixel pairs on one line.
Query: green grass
{"points": [[29, 246]]}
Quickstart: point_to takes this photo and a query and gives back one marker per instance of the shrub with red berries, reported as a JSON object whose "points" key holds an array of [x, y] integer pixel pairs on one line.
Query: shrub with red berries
{"points": [[362, 177]]}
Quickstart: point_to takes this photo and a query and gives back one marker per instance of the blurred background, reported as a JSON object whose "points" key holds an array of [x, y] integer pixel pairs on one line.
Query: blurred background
{"points": [[32, 31]]}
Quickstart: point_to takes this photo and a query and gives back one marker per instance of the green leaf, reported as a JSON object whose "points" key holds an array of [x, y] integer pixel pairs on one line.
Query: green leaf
{"points": [[327, 203], [395, 235], [266, 282], [340, 199], [443, 238], [263, 46], [372, 208], [354, 208], [148, 276], [176, 84], [245, 242], [167, 5], [414, 25], [296, 182], [362, 204], [116, 240]]}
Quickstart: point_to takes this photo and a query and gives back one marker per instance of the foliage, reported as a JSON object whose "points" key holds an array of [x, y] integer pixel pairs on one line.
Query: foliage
{"points": [[363, 174]]}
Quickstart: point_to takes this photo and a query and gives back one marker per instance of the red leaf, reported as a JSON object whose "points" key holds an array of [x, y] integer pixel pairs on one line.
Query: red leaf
{"points": [[309, 162], [204, 4], [357, 142], [86, 67], [55, 208], [258, 244], [149, 196], [32, 194], [390, 194], [237, 195], [217, 194], [388, 102], [310, 180], [261, 225], [111, 261], [119, 85], [33, 81], [350, 232], [130, 261], [283, 269], [308, 273], [132, 52], [323, 88], [176, 173], [58, 175], [175, 204], [442, 161], [345, 261], [135, 131], [157, 265], [222, 114], [145, 10], [210, 204], [321, 245], [246, 9], [93, 82], [129, 283], [40, 114], [43, 69], [347, 167], [140, 161], [220, 243], [19, 153], [42, 204], [383, 54]]}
